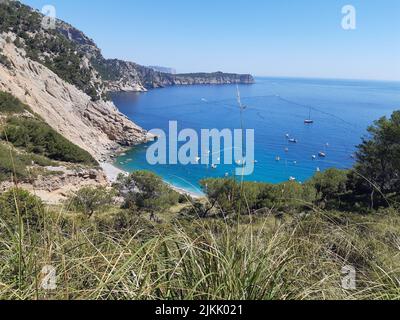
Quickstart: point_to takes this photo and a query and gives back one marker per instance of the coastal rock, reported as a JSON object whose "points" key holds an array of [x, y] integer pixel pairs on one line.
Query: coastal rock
{"points": [[94, 126]]}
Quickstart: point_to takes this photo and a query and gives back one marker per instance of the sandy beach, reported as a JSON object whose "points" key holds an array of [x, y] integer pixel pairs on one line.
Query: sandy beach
{"points": [[112, 172]]}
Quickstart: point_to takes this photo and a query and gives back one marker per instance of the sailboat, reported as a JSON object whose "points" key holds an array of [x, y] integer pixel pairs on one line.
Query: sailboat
{"points": [[309, 120]]}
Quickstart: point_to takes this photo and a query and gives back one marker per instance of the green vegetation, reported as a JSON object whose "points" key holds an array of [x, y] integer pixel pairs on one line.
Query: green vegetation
{"points": [[146, 191], [243, 241], [49, 47], [89, 200], [38, 137], [15, 165], [10, 105], [5, 61], [120, 255], [377, 173]]}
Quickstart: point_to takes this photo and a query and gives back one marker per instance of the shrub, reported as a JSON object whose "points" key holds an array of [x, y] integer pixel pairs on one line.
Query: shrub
{"points": [[146, 191], [377, 171], [88, 200], [9, 104], [17, 203], [331, 185], [38, 137]]}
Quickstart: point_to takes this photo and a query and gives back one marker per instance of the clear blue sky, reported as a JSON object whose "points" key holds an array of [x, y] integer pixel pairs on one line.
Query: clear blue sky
{"points": [[263, 37]]}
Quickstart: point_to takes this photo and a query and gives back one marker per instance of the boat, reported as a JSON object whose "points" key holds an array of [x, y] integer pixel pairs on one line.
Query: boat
{"points": [[287, 135], [214, 166], [293, 140], [286, 149], [314, 157], [292, 179], [318, 169], [278, 158], [294, 162], [198, 159], [309, 120], [322, 154]]}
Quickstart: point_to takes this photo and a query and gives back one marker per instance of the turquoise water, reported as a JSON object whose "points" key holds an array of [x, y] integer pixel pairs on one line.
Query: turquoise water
{"points": [[341, 110]]}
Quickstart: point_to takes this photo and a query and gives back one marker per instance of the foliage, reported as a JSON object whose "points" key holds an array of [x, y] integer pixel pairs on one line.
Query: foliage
{"points": [[123, 257], [14, 165], [227, 196], [5, 61], [377, 172], [146, 191], [89, 200], [19, 206], [49, 47], [331, 186], [38, 137], [9, 104]]}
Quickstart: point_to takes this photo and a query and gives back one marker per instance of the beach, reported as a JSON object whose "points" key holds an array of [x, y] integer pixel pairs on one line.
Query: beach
{"points": [[112, 173]]}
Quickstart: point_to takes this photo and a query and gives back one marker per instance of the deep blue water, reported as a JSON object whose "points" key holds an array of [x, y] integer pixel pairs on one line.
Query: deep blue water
{"points": [[341, 109]]}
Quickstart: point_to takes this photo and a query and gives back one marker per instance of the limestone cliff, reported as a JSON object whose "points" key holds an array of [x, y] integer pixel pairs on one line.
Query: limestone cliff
{"points": [[96, 126]]}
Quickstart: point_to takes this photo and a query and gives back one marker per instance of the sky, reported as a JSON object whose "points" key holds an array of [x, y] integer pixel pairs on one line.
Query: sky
{"points": [[262, 37]]}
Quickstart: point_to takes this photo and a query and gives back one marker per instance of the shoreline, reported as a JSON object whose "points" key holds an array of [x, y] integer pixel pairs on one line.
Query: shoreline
{"points": [[112, 172]]}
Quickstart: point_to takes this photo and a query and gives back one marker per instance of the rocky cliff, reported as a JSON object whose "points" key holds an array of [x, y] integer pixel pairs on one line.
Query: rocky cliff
{"points": [[96, 126], [62, 75]]}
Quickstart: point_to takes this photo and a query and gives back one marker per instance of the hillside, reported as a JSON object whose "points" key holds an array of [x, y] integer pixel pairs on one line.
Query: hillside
{"points": [[62, 75]]}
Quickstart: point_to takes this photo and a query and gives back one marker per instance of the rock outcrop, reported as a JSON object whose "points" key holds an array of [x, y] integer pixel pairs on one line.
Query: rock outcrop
{"points": [[97, 127]]}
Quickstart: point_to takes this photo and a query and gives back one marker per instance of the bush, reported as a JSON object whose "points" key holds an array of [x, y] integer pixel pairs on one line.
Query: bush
{"points": [[331, 185], [228, 196], [5, 61], [17, 203], [9, 104], [376, 175], [146, 191], [38, 137], [88, 200]]}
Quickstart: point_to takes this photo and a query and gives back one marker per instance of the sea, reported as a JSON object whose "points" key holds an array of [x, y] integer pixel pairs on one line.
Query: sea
{"points": [[275, 108]]}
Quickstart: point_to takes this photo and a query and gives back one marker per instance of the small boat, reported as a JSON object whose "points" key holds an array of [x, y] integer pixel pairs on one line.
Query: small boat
{"points": [[294, 162], [309, 120], [314, 157], [214, 166], [278, 158], [292, 179], [226, 174], [198, 159], [318, 169], [322, 155], [287, 135], [293, 140], [255, 161], [286, 149]]}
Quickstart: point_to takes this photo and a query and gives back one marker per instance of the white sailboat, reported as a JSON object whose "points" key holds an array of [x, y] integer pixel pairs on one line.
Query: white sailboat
{"points": [[309, 120]]}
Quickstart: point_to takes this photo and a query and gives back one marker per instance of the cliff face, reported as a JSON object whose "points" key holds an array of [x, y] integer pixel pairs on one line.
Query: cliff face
{"points": [[97, 127], [119, 75], [61, 74], [139, 78]]}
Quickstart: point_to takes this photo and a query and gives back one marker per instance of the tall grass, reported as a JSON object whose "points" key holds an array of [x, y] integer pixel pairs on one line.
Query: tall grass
{"points": [[300, 258]]}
